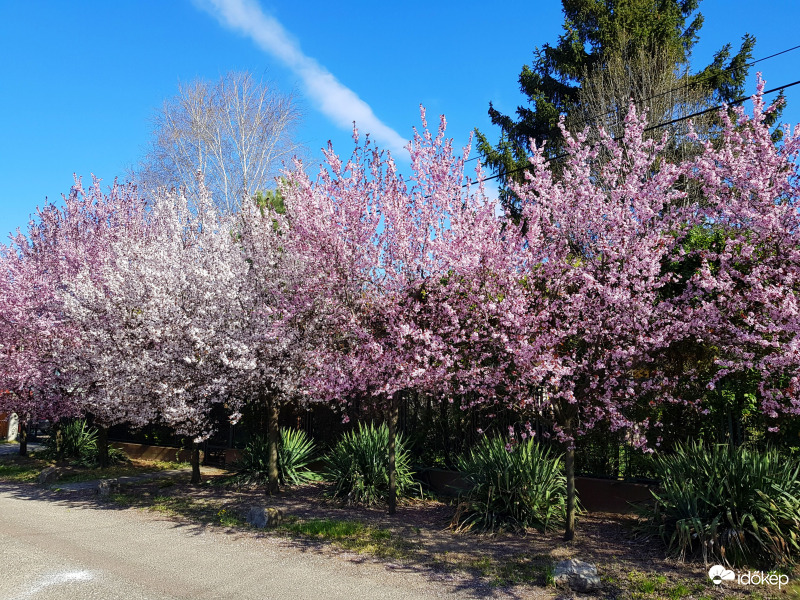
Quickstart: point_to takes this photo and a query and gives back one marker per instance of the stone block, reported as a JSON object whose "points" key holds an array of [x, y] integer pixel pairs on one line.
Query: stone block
{"points": [[106, 487], [578, 575], [264, 516], [48, 476]]}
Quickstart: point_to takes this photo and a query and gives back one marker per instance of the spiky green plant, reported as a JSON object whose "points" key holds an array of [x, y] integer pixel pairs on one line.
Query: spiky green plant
{"points": [[75, 440], [72, 439], [294, 455], [295, 452], [730, 505], [512, 487], [358, 466]]}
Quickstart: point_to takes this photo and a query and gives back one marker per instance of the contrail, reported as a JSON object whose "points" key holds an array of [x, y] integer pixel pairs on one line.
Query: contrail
{"points": [[335, 100]]}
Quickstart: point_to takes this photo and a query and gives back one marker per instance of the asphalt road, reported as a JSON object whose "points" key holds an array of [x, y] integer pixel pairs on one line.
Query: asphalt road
{"points": [[57, 548]]}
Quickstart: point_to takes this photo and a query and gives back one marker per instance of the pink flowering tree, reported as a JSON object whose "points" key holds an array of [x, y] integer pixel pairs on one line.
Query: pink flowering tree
{"points": [[591, 250], [152, 299], [741, 299], [274, 326], [382, 247], [598, 249], [30, 335], [194, 273], [88, 251]]}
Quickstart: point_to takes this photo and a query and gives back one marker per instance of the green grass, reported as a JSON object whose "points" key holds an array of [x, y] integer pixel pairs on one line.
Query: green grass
{"points": [[653, 586], [21, 469], [648, 585], [212, 513], [678, 592], [328, 529], [123, 499], [228, 518], [19, 473], [351, 535]]}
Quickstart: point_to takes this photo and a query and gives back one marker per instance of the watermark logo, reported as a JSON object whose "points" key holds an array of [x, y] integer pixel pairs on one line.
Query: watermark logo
{"points": [[718, 574]]}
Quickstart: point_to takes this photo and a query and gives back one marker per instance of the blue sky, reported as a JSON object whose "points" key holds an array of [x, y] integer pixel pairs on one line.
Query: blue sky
{"points": [[80, 80]]}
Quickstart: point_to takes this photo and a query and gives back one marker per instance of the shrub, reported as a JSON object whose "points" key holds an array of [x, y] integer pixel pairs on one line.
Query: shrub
{"points": [[732, 505], [74, 440], [511, 487], [358, 466], [295, 452]]}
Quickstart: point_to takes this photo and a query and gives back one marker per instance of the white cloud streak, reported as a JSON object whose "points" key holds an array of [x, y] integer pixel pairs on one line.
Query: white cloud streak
{"points": [[335, 100]]}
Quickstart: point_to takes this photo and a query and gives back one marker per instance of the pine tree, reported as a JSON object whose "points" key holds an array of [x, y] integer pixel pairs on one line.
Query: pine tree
{"points": [[600, 35]]}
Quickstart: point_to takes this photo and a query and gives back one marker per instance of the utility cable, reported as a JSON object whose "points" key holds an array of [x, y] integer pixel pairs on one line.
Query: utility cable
{"points": [[675, 89], [652, 127]]}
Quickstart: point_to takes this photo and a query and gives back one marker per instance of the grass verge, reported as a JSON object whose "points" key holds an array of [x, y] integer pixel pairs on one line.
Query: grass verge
{"points": [[19, 473], [351, 535], [21, 469], [512, 570]]}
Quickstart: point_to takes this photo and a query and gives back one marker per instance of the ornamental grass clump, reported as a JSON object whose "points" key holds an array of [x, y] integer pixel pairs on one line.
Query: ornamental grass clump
{"points": [[295, 451], [730, 505], [358, 466], [512, 487]]}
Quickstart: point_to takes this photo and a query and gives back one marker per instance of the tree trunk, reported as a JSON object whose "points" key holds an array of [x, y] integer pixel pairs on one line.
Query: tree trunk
{"points": [[569, 468], [394, 415], [59, 433], [274, 433], [102, 446], [23, 438], [195, 463], [443, 418]]}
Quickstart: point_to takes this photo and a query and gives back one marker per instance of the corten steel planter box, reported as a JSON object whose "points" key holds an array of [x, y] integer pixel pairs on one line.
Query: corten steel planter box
{"points": [[595, 494], [611, 495], [444, 482], [231, 456], [146, 452]]}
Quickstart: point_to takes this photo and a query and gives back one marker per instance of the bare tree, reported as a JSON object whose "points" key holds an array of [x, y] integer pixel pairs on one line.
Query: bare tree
{"points": [[236, 132], [655, 81]]}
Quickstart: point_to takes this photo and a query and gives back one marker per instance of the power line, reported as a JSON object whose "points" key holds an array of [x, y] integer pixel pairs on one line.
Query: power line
{"points": [[699, 78], [708, 110], [652, 127], [675, 89]]}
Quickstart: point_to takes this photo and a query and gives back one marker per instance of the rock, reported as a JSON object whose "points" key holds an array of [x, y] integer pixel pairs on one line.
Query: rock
{"points": [[105, 487], [261, 516], [578, 575], [48, 476]]}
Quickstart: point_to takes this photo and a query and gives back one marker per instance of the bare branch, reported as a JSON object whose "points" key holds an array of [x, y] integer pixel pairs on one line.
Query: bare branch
{"points": [[236, 132]]}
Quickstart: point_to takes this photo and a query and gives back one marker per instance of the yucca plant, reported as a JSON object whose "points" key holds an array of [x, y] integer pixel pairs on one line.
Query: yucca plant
{"points": [[72, 439], [295, 452], [294, 455], [731, 505], [358, 466], [512, 487]]}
